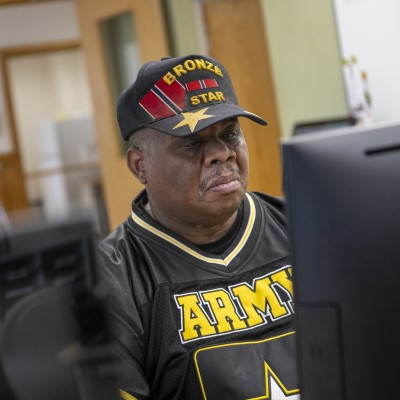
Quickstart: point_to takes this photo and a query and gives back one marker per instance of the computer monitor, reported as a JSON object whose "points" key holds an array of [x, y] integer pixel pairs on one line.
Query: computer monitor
{"points": [[46, 271], [41, 253], [317, 126], [343, 206]]}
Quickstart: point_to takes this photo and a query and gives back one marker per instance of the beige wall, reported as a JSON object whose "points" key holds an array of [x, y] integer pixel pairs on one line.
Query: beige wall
{"points": [[305, 60], [38, 23], [370, 31]]}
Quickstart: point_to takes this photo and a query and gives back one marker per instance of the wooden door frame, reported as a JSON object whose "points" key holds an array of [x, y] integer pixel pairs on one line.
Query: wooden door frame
{"points": [[15, 154], [120, 186]]}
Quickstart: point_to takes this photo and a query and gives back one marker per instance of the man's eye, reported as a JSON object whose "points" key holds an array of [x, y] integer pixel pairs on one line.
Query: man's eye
{"points": [[230, 135], [191, 144]]}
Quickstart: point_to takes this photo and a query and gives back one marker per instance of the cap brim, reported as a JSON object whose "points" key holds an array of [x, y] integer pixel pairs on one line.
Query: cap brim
{"points": [[188, 123]]}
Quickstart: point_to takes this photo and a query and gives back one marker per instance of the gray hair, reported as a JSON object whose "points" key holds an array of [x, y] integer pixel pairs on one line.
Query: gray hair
{"points": [[140, 139]]}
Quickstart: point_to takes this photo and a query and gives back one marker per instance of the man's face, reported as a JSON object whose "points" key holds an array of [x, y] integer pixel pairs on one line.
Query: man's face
{"points": [[198, 180]]}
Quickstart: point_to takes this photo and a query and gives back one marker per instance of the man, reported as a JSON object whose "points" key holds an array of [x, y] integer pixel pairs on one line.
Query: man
{"points": [[198, 282]]}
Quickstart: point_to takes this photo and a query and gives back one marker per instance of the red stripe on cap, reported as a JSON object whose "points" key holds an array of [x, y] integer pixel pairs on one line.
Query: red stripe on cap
{"points": [[155, 106], [194, 85], [175, 92], [209, 83]]}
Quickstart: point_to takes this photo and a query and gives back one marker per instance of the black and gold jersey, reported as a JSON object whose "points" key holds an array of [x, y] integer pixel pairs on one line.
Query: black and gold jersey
{"points": [[193, 324]]}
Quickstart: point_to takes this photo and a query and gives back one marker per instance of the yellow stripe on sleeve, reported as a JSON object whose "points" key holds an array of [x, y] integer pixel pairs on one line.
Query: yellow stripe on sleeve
{"points": [[126, 395]]}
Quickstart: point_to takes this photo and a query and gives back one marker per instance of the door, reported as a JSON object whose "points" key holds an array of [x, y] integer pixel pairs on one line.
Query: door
{"points": [[237, 37], [12, 187], [117, 37]]}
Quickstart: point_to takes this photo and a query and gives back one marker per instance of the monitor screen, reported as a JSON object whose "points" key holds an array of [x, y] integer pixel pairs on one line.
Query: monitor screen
{"points": [[343, 205]]}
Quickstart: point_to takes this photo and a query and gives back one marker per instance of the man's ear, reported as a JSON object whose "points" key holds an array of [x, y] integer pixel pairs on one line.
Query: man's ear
{"points": [[135, 162]]}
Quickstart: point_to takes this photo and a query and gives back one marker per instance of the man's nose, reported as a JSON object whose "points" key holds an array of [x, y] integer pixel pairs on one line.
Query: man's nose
{"points": [[217, 152]]}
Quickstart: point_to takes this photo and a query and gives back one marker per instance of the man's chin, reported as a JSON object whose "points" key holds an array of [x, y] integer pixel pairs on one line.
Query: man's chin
{"points": [[225, 203]]}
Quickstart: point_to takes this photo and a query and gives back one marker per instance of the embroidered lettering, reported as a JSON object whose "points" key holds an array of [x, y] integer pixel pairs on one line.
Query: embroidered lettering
{"points": [[238, 307]]}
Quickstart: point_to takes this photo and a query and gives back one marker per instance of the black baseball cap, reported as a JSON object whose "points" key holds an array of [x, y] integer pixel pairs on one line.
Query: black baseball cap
{"points": [[179, 96]]}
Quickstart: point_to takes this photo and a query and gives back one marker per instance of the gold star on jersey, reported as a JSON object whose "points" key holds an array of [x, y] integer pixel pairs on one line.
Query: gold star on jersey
{"points": [[192, 118]]}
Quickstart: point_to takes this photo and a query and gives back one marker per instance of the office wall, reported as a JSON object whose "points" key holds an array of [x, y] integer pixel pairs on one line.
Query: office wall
{"points": [[370, 30], [306, 60], [37, 23]]}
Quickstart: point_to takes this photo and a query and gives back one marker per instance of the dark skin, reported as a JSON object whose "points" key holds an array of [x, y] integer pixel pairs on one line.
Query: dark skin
{"points": [[194, 184]]}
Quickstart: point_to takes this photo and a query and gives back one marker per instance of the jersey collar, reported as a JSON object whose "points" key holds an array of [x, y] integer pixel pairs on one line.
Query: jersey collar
{"points": [[146, 223]]}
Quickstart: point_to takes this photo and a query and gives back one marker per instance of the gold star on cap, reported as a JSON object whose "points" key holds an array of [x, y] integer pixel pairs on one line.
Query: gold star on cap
{"points": [[192, 118]]}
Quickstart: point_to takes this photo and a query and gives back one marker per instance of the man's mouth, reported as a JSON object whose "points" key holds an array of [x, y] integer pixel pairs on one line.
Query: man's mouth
{"points": [[224, 184]]}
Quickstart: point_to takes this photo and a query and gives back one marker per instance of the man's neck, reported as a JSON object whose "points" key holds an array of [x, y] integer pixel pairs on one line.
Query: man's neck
{"points": [[197, 234]]}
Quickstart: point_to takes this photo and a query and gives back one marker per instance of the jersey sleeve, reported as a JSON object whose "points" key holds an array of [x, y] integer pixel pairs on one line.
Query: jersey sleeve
{"points": [[115, 286]]}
